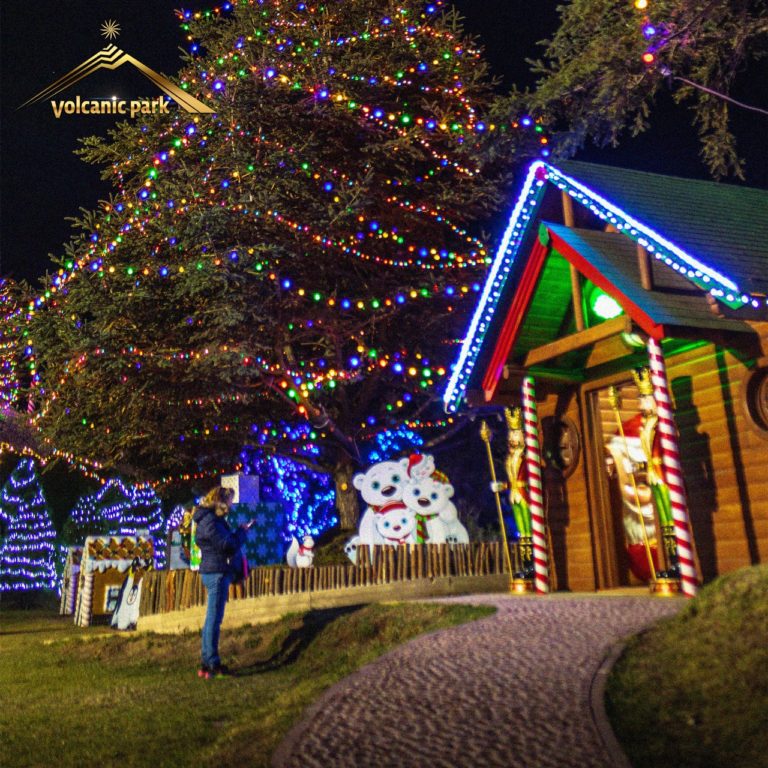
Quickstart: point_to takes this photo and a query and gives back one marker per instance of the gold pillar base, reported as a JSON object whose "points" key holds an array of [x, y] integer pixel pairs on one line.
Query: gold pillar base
{"points": [[520, 586], [665, 587]]}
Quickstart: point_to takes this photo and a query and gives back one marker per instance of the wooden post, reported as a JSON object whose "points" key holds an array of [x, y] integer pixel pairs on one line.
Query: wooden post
{"points": [[576, 294], [645, 267], [577, 299]]}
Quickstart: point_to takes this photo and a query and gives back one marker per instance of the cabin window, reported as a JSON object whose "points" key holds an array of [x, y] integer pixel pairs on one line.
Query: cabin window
{"points": [[110, 599], [756, 400]]}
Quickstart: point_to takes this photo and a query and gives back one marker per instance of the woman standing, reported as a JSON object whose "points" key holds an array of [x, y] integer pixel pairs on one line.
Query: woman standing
{"points": [[218, 545]]}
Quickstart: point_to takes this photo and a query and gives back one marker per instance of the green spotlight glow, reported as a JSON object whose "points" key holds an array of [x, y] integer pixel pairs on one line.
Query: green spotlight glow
{"points": [[604, 306]]}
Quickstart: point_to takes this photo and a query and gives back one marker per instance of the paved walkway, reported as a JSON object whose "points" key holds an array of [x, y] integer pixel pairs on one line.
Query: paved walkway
{"points": [[511, 690]]}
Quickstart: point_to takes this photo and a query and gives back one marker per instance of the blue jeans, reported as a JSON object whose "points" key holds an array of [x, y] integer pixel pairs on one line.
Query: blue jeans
{"points": [[217, 585]]}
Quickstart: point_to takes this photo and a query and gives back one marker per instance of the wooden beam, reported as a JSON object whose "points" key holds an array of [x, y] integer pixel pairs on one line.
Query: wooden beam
{"points": [[645, 266], [576, 296], [514, 317], [568, 217], [557, 374], [516, 373], [579, 340]]}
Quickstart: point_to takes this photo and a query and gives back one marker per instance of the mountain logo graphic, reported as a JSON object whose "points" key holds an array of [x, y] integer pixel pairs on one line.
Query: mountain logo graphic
{"points": [[112, 57]]}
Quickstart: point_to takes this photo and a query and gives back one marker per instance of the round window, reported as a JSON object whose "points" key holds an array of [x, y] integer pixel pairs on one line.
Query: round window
{"points": [[756, 400], [561, 444]]}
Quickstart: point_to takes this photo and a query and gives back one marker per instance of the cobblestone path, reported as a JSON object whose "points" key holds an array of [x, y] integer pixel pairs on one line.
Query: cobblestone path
{"points": [[510, 690]]}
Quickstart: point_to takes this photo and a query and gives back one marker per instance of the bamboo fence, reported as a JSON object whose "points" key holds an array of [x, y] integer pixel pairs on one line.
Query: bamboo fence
{"points": [[165, 591]]}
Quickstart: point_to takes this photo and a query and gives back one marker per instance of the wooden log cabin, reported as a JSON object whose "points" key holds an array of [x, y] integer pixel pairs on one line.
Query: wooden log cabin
{"points": [[598, 268]]}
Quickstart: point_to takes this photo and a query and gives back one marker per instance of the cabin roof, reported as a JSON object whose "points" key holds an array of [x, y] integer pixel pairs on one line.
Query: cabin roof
{"points": [[708, 244], [723, 225], [672, 301]]}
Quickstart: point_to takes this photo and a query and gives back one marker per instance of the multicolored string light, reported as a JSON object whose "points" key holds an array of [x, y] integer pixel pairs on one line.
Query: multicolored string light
{"points": [[652, 33], [138, 238]]}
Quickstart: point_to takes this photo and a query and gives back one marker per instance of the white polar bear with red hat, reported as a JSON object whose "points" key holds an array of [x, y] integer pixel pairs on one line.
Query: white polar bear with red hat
{"points": [[394, 524], [428, 494], [380, 485]]}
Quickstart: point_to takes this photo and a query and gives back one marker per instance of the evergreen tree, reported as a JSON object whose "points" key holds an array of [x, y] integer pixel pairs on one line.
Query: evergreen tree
{"points": [[28, 553], [610, 60], [304, 256], [115, 509]]}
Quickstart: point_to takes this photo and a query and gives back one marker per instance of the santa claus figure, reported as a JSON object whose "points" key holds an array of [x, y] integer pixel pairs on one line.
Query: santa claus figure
{"points": [[630, 462]]}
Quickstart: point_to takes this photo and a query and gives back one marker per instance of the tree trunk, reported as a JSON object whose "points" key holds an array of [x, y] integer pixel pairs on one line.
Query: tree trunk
{"points": [[347, 505]]}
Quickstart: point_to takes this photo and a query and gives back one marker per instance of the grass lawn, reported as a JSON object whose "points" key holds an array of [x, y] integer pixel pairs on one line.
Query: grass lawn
{"points": [[94, 697], [693, 691]]}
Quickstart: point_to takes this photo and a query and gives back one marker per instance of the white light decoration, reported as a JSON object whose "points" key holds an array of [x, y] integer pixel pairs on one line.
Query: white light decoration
{"points": [[28, 553], [527, 203], [119, 509], [523, 214]]}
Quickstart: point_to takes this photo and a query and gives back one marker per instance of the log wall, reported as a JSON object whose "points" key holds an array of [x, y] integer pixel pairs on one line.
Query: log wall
{"points": [[724, 459]]}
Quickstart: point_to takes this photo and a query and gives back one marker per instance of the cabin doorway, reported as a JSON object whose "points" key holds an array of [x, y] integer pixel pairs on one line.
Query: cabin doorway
{"points": [[632, 532]]}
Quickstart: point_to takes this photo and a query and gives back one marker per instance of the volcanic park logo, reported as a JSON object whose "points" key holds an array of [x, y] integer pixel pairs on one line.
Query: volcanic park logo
{"points": [[112, 57]]}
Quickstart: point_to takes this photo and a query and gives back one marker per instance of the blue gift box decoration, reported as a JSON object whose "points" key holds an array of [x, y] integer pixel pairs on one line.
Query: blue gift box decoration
{"points": [[264, 545]]}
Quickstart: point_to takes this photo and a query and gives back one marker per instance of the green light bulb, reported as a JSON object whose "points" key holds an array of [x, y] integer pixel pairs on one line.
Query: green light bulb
{"points": [[604, 306]]}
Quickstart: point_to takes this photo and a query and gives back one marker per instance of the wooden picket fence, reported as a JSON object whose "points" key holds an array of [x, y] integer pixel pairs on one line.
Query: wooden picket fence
{"points": [[165, 591]]}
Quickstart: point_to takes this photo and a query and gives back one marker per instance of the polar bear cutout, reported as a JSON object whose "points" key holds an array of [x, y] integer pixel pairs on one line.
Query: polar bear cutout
{"points": [[382, 483], [455, 532], [426, 498], [395, 524], [350, 549], [428, 494], [379, 485]]}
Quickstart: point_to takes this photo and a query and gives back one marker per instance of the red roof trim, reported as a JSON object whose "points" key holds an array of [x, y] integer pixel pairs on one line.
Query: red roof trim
{"points": [[524, 293], [514, 319], [571, 255]]}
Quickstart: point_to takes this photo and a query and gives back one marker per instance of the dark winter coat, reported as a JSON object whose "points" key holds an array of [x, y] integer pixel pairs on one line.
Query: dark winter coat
{"points": [[217, 541]]}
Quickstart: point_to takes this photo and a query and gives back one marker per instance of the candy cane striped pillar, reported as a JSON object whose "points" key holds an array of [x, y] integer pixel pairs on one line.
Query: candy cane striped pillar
{"points": [[535, 487], [673, 472]]}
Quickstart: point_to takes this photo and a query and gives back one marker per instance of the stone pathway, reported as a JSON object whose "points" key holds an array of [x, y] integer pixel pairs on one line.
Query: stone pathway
{"points": [[510, 690]]}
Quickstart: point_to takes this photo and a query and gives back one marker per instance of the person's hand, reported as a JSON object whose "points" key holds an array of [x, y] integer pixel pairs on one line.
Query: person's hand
{"points": [[498, 487]]}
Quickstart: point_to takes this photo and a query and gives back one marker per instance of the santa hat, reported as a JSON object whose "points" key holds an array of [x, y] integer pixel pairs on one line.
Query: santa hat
{"points": [[420, 466], [414, 460], [632, 426], [390, 506]]}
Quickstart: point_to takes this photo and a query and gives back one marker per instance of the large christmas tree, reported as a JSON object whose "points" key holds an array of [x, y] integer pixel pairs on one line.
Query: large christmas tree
{"points": [[293, 270], [27, 554]]}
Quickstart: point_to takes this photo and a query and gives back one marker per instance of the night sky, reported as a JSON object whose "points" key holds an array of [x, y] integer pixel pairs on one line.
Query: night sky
{"points": [[43, 182]]}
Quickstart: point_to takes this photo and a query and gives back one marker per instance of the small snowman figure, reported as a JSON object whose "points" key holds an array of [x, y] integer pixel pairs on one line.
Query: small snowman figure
{"points": [[301, 555]]}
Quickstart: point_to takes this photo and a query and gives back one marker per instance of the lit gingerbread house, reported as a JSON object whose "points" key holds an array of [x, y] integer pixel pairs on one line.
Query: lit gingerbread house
{"points": [[626, 314], [103, 570], [70, 580]]}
